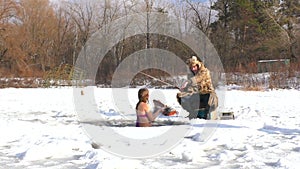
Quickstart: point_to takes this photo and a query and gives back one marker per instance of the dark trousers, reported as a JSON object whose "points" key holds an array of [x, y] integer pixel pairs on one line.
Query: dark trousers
{"points": [[196, 105]]}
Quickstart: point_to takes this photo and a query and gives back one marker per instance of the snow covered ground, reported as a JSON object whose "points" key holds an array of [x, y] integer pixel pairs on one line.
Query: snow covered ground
{"points": [[40, 129]]}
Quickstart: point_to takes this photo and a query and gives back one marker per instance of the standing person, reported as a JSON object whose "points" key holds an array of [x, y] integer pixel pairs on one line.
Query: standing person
{"points": [[144, 116], [198, 92]]}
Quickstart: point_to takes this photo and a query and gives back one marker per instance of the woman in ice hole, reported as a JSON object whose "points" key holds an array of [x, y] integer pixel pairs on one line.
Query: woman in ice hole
{"points": [[144, 116]]}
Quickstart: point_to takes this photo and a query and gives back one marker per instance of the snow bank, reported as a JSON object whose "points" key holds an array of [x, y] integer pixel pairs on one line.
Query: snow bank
{"points": [[40, 129]]}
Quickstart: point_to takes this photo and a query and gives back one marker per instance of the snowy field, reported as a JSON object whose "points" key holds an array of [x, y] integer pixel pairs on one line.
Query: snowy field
{"points": [[40, 129]]}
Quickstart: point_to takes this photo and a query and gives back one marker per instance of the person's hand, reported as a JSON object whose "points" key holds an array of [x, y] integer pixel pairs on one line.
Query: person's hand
{"points": [[162, 109], [184, 85]]}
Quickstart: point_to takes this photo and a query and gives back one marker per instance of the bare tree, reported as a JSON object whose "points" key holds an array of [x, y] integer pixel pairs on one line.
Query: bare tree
{"points": [[7, 11], [201, 14], [30, 40], [63, 36], [38, 22], [82, 15]]}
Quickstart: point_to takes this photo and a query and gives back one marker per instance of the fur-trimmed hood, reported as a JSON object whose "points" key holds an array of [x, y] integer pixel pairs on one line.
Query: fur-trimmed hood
{"points": [[194, 61]]}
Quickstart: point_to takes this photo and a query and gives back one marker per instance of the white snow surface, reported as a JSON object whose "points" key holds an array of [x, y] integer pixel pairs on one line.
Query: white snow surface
{"points": [[40, 129]]}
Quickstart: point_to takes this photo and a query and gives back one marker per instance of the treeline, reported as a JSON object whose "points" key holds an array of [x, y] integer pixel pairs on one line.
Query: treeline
{"points": [[40, 38], [255, 30]]}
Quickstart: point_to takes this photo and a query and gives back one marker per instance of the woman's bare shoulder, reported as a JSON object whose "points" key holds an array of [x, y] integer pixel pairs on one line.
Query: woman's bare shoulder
{"points": [[143, 105]]}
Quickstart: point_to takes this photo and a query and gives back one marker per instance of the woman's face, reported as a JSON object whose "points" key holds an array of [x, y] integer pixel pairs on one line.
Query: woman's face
{"points": [[146, 94]]}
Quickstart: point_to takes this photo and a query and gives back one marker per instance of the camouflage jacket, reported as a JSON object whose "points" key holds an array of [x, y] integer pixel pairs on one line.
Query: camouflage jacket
{"points": [[201, 82]]}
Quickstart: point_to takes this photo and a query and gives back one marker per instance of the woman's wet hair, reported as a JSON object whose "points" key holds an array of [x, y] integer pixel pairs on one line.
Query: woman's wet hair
{"points": [[142, 93]]}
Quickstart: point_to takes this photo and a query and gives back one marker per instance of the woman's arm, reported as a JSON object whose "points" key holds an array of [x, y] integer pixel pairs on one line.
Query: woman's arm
{"points": [[152, 116]]}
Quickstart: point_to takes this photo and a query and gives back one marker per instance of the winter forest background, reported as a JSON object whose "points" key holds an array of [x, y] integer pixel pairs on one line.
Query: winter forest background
{"points": [[40, 39]]}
